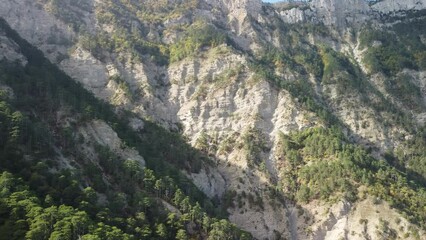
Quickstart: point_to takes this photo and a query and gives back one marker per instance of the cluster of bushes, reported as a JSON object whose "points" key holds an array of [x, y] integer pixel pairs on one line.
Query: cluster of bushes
{"points": [[254, 144], [129, 38], [198, 36], [153, 10], [121, 41], [411, 157], [404, 89], [321, 164], [300, 89], [395, 48], [70, 13], [334, 65], [318, 165], [392, 50]]}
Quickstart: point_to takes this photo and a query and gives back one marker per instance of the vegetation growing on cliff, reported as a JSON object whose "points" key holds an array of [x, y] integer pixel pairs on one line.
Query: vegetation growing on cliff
{"points": [[321, 164], [40, 199]]}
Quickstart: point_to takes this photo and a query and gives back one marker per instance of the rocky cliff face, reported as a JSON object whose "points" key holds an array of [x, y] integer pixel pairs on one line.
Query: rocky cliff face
{"points": [[340, 14], [10, 50], [217, 100], [393, 6]]}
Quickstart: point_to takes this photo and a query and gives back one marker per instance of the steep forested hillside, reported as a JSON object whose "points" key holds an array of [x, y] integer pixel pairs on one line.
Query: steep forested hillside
{"points": [[40, 199], [212, 119]]}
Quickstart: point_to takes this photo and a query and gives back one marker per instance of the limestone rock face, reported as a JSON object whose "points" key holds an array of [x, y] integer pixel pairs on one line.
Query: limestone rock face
{"points": [[340, 14], [210, 181], [295, 15], [90, 71], [98, 132], [251, 7], [343, 220], [395, 5], [38, 27], [237, 15], [10, 51]]}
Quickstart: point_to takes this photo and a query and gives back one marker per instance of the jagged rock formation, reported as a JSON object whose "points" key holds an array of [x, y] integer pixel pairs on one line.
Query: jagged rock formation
{"points": [[340, 14], [218, 101], [392, 6]]}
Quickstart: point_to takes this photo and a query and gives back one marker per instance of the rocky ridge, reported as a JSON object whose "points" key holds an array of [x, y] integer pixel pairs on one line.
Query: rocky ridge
{"points": [[340, 14]]}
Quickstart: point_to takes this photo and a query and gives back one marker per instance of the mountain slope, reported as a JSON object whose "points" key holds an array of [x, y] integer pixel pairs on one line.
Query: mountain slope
{"points": [[303, 114], [71, 167]]}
